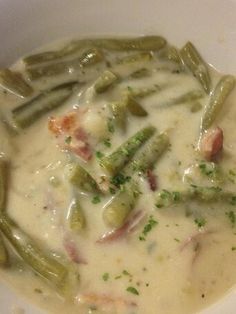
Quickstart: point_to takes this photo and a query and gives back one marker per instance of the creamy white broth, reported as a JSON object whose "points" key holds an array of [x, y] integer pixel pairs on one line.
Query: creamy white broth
{"points": [[168, 274]]}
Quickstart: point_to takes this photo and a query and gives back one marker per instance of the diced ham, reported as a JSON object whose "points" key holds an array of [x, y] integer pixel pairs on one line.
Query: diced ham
{"points": [[68, 127], [152, 180], [212, 143], [124, 230], [72, 251]]}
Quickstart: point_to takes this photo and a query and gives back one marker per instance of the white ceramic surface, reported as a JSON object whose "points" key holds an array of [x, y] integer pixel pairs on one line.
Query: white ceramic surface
{"points": [[210, 24]]}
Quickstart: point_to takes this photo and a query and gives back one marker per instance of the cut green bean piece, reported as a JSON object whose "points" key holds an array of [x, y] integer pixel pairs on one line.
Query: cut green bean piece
{"points": [[167, 198], [217, 99], [3, 183], [138, 57], [71, 48], [184, 98], [196, 65], [171, 53], [118, 209], [76, 216], [148, 155], [15, 83], [89, 57], [134, 107], [80, 178], [142, 91], [147, 43], [105, 81], [124, 153], [28, 113], [4, 257], [44, 265], [122, 44], [119, 112], [141, 73]]}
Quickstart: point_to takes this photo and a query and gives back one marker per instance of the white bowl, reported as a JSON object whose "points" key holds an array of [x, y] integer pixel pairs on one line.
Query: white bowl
{"points": [[210, 24]]}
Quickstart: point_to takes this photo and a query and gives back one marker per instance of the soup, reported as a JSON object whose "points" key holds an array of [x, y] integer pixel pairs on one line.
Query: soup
{"points": [[118, 178]]}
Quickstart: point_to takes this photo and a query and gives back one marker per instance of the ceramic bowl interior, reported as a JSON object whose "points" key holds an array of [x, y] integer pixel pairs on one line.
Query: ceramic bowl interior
{"points": [[210, 24]]}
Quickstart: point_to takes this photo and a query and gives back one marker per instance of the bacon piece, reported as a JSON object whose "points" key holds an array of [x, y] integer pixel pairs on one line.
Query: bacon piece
{"points": [[212, 143], [103, 299], [72, 251], [124, 230], [152, 180], [68, 127], [63, 124], [194, 238]]}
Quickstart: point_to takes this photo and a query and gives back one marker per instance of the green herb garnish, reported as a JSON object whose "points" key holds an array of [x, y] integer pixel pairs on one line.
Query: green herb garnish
{"points": [[232, 217], [107, 142], [147, 228], [119, 179], [200, 222], [99, 154], [105, 276], [132, 290], [96, 199]]}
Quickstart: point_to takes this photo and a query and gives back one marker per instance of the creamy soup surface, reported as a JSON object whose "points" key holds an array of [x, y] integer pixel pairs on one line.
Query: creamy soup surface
{"points": [[147, 230]]}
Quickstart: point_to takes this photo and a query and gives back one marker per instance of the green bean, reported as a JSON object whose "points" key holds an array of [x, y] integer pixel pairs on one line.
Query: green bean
{"points": [[4, 257], [171, 53], [143, 72], [196, 65], [134, 107], [124, 153], [217, 99], [167, 198], [3, 183], [142, 92], [184, 98], [70, 48], [119, 112], [105, 81], [122, 44], [138, 57], [147, 156], [89, 57], [131, 44], [80, 178], [29, 112], [76, 216], [15, 83], [120, 206], [44, 265]]}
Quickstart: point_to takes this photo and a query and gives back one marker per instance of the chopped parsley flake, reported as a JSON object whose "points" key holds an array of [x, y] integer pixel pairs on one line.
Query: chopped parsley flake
{"points": [[96, 199], [126, 273], [177, 240], [147, 228], [132, 290], [200, 222], [107, 142], [233, 248], [210, 170], [110, 126], [112, 191], [105, 276], [232, 217], [99, 154], [120, 179], [68, 139]]}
